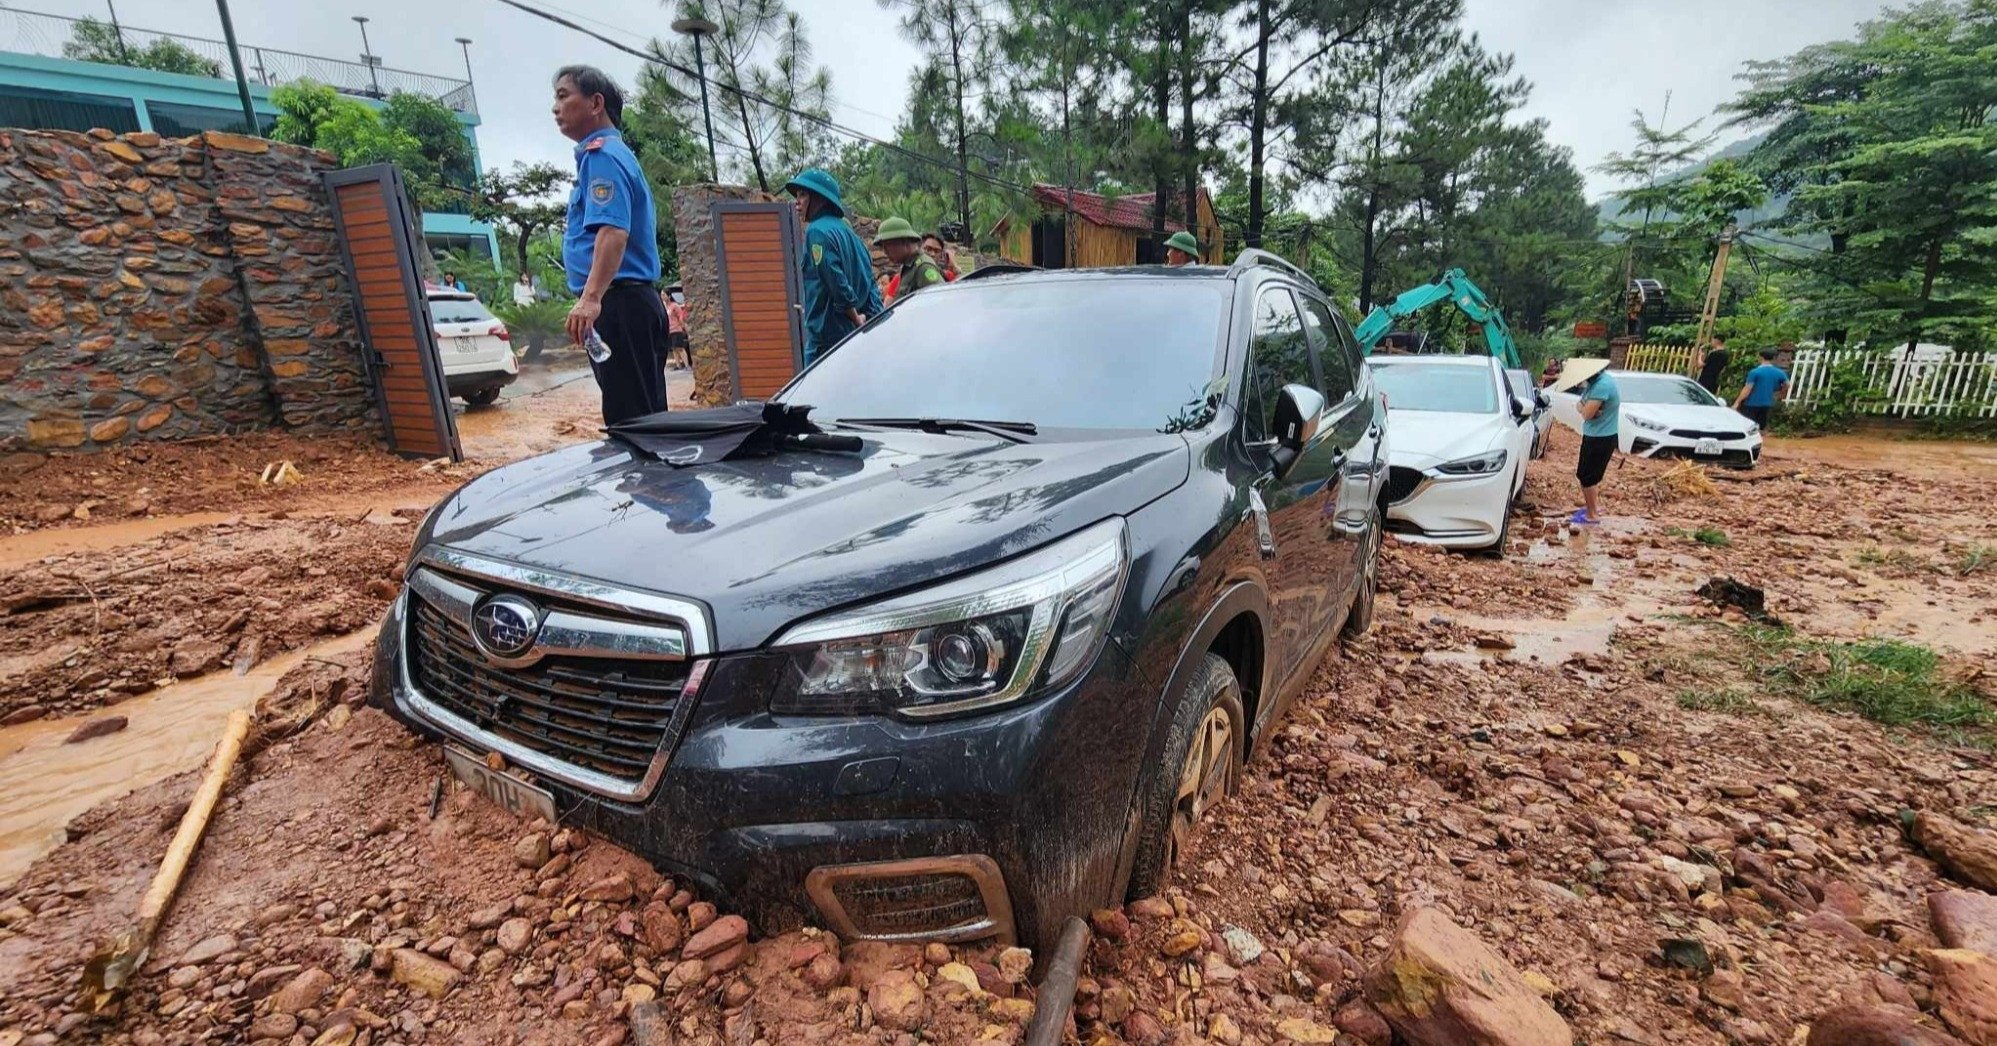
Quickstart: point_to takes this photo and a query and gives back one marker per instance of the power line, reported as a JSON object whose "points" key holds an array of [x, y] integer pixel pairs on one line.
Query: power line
{"points": [[828, 124]]}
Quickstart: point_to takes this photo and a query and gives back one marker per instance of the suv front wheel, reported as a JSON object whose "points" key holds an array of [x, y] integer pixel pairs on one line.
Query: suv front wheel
{"points": [[1202, 764]]}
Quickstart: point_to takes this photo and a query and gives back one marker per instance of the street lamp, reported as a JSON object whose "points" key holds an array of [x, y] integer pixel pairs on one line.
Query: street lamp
{"points": [[367, 55], [465, 42], [698, 28]]}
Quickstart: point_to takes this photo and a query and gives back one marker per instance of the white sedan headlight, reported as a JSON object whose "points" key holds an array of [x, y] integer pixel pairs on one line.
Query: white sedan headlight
{"points": [[1753, 429], [1485, 464], [994, 637], [1646, 424]]}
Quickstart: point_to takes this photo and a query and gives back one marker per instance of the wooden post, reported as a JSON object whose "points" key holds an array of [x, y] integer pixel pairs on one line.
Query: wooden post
{"points": [[1712, 309]]}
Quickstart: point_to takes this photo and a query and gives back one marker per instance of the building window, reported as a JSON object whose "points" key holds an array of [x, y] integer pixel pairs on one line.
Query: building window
{"points": [[174, 120], [441, 243], [37, 109]]}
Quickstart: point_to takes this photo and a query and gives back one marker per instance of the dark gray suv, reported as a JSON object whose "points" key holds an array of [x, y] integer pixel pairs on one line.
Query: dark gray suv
{"points": [[982, 674]]}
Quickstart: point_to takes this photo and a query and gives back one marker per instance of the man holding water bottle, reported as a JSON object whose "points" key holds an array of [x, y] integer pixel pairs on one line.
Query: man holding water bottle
{"points": [[610, 250]]}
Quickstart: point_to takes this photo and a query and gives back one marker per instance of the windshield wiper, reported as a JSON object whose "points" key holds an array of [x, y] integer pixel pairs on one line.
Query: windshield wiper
{"points": [[1015, 431]]}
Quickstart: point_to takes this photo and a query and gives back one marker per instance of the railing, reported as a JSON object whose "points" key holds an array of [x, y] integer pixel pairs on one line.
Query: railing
{"points": [[1935, 380], [1659, 359], [33, 32]]}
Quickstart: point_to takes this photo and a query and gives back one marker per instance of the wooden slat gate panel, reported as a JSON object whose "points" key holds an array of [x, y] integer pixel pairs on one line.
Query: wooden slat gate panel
{"points": [[379, 241], [756, 252]]}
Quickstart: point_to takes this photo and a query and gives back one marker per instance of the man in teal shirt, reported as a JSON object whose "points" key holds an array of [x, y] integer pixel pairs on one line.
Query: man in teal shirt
{"points": [[839, 289]]}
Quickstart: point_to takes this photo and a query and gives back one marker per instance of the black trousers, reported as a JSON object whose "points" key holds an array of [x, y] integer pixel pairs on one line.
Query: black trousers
{"points": [[1758, 415], [633, 379]]}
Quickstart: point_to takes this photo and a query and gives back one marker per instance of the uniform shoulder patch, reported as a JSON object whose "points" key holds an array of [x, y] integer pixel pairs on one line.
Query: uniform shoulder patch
{"points": [[594, 145], [601, 190], [817, 254]]}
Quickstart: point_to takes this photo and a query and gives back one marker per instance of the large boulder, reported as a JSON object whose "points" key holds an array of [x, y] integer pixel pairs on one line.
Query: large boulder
{"points": [[1967, 854], [1875, 1026], [1965, 919], [1966, 993], [1441, 986]]}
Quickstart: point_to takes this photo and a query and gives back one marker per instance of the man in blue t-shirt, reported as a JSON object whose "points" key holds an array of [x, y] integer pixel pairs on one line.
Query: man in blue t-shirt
{"points": [[1766, 384], [610, 248]]}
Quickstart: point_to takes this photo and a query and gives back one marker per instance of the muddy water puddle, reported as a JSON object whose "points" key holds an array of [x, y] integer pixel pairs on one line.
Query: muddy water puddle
{"points": [[44, 782]]}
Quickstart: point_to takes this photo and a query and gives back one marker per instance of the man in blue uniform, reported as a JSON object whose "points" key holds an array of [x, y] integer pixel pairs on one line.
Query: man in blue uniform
{"points": [[610, 248], [839, 289]]}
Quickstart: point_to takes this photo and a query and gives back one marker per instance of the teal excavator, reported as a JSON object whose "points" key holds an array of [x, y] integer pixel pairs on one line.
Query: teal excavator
{"points": [[1453, 287]]}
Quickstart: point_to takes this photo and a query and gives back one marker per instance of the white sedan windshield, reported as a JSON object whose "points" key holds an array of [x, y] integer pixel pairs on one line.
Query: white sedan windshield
{"points": [[1437, 387]]}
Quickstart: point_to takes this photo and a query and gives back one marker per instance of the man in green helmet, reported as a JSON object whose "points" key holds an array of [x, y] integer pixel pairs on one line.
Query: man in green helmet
{"points": [[839, 290], [914, 269], [1181, 249]]}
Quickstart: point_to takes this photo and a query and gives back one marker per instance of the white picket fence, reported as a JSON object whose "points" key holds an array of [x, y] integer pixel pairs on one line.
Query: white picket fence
{"points": [[1934, 380]]}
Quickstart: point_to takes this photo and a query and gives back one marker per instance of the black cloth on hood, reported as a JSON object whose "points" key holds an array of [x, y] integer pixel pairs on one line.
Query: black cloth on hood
{"points": [[741, 430]]}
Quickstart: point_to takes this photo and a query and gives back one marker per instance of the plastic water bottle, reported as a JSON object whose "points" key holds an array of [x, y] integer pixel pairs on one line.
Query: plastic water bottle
{"points": [[597, 348]]}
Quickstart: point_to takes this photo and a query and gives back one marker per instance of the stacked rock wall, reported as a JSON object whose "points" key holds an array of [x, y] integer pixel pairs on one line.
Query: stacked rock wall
{"points": [[160, 289]]}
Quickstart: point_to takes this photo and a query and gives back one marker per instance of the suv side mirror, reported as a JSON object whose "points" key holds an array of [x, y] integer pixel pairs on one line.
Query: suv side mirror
{"points": [[1541, 400], [1520, 411], [1298, 408]]}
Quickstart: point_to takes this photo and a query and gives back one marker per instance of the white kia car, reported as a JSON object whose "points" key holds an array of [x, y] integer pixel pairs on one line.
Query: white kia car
{"points": [[1665, 415], [473, 345], [1461, 442]]}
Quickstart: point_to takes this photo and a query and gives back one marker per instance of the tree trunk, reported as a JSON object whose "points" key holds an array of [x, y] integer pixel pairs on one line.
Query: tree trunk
{"points": [[1188, 145], [1161, 100], [1369, 262], [749, 136], [520, 241], [1258, 122], [1928, 272], [957, 76]]}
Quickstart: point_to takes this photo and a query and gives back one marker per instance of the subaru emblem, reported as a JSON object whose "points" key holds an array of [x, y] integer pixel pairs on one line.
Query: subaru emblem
{"points": [[506, 626]]}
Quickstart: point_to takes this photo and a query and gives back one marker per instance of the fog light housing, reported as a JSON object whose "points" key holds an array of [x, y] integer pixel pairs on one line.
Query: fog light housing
{"points": [[956, 898]]}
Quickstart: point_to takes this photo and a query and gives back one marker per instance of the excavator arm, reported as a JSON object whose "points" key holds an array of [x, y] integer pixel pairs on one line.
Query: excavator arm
{"points": [[1453, 287]]}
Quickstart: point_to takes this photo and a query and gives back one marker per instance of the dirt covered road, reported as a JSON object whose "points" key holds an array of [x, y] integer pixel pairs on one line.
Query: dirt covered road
{"points": [[1673, 821]]}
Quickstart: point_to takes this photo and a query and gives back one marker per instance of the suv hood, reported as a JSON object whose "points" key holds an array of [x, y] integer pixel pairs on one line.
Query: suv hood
{"points": [[764, 542], [1423, 438]]}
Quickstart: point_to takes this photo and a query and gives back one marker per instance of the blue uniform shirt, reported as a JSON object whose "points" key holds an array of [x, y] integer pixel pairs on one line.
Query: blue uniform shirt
{"points": [[610, 190], [1762, 382], [1605, 421]]}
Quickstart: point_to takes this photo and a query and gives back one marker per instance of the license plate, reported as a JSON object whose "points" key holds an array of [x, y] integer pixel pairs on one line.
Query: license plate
{"points": [[509, 792], [1710, 447], [465, 344]]}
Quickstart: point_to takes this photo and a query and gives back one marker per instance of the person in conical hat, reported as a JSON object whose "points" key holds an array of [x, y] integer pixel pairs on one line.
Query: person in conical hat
{"points": [[1601, 425]]}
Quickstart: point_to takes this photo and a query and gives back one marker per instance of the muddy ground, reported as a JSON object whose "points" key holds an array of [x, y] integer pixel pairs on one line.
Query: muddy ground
{"points": [[1569, 752]]}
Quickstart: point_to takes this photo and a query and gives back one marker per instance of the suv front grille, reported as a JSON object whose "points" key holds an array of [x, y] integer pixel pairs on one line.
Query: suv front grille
{"points": [[607, 716], [1401, 483], [1706, 434]]}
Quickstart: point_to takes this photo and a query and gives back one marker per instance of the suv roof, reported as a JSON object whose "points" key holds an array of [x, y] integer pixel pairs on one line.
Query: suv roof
{"points": [[1452, 359]]}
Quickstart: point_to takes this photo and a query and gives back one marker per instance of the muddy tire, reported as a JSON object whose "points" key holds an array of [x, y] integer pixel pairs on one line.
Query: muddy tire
{"points": [[1201, 765], [1496, 550], [1359, 619], [483, 397]]}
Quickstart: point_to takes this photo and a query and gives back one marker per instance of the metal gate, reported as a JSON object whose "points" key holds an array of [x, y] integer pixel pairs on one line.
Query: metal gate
{"points": [[755, 251], [379, 241]]}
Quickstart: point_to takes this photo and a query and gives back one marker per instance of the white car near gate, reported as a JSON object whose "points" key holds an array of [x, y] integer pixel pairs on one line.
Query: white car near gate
{"points": [[472, 344], [1668, 416], [1461, 443]]}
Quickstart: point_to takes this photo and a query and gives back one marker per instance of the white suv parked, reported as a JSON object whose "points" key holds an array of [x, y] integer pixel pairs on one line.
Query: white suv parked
{"points": [[1461, 442], [473, 346]]}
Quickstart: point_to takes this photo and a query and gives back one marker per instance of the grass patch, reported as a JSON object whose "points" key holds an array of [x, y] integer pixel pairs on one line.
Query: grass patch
{"points": [[1713, 536], [1889, 681], [1874, 556], [1731, 702], [1976, 559]]}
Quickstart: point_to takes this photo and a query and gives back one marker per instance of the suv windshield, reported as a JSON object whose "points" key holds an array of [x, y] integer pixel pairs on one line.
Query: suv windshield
{"points": [[457, 310], [1448, 387], [1637, 388], [1123, 353]]}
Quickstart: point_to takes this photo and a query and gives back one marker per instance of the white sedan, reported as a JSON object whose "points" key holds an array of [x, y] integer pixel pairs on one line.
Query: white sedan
{"points": [[1461, 442], [1665, 415]]}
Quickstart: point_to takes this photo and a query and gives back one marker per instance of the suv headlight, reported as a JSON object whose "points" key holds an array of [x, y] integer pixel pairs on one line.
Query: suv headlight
{"points": [[1646, 424], [1476, 465], [987, 639]]}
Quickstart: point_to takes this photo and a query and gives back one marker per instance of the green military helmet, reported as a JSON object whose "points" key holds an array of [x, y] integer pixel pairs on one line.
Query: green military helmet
{"points": [[896, 229], [1184, 241], [821, 182]]}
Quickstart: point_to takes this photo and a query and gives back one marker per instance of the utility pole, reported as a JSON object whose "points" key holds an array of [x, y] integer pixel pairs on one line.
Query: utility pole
{"points": [[367, 55], [236, 59], [124, 53], [1712, 310], [465, 42], [699, 28]]}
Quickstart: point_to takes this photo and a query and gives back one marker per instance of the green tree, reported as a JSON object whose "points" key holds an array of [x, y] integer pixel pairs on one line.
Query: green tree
{"points": [[762, 50], [1899, 166], [415, 132], [93, 41], [523, 202], [954, 35]]}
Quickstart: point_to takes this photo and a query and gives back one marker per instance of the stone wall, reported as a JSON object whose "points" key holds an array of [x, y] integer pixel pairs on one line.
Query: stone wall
{"points": [[158, 289]]}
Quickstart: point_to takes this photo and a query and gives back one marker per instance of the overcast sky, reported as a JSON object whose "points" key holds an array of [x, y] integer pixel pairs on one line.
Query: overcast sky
{"points": [[1590, 61]]}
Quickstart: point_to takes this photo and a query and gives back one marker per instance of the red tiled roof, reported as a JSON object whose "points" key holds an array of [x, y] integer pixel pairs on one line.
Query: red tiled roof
{"points": [[1124, 212]]}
